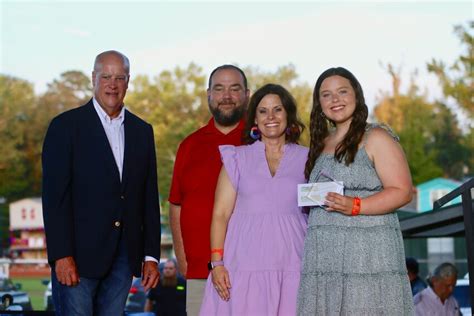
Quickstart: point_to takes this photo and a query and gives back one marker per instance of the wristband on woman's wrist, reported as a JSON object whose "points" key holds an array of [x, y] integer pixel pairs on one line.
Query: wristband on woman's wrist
{"points": [[218, 250], [356, 206]]}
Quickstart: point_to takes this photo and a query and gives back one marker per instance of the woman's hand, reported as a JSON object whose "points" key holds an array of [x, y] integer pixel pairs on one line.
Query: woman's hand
{"points": [[221, 282], [339, 203]]}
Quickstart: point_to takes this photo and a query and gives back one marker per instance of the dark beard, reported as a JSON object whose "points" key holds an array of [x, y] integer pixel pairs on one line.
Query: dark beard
{"points": [[227, 120]]}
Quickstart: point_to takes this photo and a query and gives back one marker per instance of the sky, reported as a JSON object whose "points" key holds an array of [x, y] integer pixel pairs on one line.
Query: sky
{"points": [[41, 39]]}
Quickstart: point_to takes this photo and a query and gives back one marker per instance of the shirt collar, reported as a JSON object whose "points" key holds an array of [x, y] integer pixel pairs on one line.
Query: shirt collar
{"points": [[211, 128], [434, 296], [104, 117]]}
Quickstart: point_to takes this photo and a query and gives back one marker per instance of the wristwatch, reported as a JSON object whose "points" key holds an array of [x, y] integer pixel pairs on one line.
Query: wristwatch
{"points": [[212, 264]]}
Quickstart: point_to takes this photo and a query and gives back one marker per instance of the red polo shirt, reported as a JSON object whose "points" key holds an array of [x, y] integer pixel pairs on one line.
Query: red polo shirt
{"points": [[196, 169]]}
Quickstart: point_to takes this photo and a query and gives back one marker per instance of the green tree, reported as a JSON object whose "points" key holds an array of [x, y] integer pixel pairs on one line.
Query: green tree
{"points": [[408, 114], [70, 90], [415, 138], [448, 142], [17, 100], [457, 82], [175, 103], [4, 227], [468, 142]]}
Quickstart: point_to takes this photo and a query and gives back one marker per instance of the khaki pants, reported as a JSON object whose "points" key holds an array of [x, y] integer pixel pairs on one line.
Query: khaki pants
{"points": [[194, 295]]}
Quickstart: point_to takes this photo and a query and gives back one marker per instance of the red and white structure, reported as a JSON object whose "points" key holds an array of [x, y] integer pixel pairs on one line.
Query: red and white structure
{"points": [[27, 237]]}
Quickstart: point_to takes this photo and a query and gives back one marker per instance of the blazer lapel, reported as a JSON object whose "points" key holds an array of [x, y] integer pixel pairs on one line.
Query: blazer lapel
{"points": [[128, 150]]}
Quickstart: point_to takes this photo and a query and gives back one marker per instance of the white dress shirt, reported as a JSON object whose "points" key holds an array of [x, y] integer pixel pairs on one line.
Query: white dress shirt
{"points": [[115, 131]]}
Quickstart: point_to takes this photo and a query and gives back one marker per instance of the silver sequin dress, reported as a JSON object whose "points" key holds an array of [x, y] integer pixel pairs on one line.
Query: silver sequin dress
{"points": [[353, 265]]}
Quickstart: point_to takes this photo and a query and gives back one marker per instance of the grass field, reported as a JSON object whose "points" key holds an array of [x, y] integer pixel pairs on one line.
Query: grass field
{"points": [[35, 288]]}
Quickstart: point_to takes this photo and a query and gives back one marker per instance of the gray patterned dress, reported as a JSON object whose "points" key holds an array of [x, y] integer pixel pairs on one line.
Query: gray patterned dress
{"points": [[353, 265]]}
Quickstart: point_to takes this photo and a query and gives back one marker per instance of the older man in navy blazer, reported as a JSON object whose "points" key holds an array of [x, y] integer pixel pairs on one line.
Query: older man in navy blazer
{"points": [[100, 198]]}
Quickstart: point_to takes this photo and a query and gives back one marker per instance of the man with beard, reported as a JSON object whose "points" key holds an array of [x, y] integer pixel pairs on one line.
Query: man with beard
{"points": [[169, 297], [196, 169]]}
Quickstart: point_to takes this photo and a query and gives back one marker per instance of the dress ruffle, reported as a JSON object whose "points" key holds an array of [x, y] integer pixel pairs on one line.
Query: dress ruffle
{"points": [[229, 161], [259, 294]]}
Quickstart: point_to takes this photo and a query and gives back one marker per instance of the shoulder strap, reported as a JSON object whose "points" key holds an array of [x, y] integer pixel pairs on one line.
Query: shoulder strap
{"points": [[371, 126]]}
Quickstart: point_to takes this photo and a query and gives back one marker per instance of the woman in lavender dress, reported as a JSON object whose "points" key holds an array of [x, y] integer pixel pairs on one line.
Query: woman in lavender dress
{"points": [[257, 228]]}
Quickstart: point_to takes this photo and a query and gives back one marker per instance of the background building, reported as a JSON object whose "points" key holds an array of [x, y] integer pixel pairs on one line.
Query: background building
{"points": [[27, 238], [433, 190], [430, 252]]}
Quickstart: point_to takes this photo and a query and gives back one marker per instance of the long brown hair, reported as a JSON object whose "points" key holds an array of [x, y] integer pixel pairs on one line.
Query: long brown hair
{"points": [[318, 126]]}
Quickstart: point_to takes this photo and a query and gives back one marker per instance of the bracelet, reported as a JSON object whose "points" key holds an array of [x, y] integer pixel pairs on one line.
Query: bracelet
{"points": [[217, 263], [355, 206], [218, 250], [212, 264]]}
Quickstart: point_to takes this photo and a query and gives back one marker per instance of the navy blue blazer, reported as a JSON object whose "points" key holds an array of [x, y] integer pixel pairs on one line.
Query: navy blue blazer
{"points": [[85, 205]]}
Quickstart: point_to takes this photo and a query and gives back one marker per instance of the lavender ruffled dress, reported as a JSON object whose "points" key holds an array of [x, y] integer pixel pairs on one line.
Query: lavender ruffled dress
{"points": [[265, 235]]}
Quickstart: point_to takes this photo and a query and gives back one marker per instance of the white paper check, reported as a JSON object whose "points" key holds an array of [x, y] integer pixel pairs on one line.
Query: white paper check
{"points": [[313, 194]]}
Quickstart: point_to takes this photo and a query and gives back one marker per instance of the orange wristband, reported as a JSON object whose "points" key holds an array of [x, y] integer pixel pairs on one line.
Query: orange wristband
{"points": [[355, 206], [218, 250]]}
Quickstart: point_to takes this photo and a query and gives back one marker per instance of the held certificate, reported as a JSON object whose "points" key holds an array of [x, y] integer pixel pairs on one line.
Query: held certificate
{"points": [[313, 194]]}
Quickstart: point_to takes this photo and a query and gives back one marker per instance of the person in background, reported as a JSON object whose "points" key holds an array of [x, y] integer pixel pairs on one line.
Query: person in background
{"points": [[100, 198], [195, 175], [354, 260], [169, 297], [416, 283], [437, 299], [257, 228]]}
